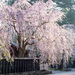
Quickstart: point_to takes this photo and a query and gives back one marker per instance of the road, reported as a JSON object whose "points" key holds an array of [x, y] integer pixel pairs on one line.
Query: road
{"points": [[63, 72]]}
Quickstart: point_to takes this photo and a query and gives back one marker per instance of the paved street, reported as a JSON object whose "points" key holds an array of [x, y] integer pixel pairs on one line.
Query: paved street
{"points": [[63, 72]]}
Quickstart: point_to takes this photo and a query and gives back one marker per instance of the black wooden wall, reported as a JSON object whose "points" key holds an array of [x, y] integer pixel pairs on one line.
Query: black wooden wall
{"points": [[19, 65]]}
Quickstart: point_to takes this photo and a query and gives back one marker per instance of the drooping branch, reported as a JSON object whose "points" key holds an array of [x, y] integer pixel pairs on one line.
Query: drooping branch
{"points": [[27, 39], [30, 37], [15, 29], [1, 29], [39, 27]]}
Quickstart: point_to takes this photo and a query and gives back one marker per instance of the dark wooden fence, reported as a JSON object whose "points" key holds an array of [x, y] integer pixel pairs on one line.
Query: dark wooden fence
{"points": [[19, 65]]}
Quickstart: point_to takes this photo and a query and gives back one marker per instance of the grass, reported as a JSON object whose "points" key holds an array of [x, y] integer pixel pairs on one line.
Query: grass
{"points": [[54, 69], [59, 69]]}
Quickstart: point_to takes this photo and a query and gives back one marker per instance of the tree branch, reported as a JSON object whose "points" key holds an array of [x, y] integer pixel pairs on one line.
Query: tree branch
{"points": [[37, 28], [15, 29], [1, 29], [32, 43]]}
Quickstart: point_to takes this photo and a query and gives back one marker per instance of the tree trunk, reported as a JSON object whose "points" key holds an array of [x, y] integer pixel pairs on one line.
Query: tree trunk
{"points": [[61, 65], [22, 53], [22, 46]]}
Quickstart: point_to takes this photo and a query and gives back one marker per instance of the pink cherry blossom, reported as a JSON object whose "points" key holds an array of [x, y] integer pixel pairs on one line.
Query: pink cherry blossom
{"points": [[36, 25]]}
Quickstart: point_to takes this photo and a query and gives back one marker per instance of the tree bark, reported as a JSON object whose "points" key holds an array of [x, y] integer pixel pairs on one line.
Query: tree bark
{"points": [[23, 51], [22, 54]]}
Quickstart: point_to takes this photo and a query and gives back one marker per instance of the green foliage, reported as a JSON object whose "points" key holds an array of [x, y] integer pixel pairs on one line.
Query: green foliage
{"points": [[64, 3], [67, 8], [69, 19], [33, 1], [51, 68], [9, 2], [54, 69], [70, 62]]}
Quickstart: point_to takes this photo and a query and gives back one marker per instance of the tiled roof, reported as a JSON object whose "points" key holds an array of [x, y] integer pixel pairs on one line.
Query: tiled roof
{"points": [[15, 44]]}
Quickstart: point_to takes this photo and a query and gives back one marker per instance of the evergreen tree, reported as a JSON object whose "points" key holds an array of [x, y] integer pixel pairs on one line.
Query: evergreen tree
{"points": [[67, 8], [9, 2], [69, 19], [65, 3]]}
